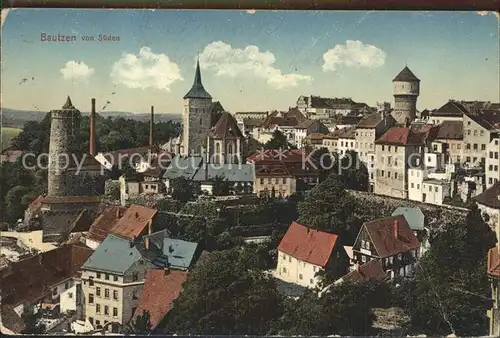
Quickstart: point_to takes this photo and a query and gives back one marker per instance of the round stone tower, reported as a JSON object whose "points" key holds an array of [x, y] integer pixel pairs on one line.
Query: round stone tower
{"points": [[406, 91], [64, 128]]}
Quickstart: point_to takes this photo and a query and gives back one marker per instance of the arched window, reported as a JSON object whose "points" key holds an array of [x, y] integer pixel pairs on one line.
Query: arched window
{"points": [[217, 148]]}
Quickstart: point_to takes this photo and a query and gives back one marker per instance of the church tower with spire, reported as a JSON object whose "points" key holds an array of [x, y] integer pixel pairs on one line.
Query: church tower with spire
{"points": [[196, 117], [406, 92]]}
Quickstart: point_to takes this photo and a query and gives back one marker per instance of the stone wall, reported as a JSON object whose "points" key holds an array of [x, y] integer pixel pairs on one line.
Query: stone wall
{"points": [[371, 206]]}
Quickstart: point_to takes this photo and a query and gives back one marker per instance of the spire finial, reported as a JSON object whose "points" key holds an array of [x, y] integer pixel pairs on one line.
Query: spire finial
{"points": [[68, 104]]}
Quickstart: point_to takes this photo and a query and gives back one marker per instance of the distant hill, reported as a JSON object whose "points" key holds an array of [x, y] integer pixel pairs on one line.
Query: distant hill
{"points": [[15, 118]]}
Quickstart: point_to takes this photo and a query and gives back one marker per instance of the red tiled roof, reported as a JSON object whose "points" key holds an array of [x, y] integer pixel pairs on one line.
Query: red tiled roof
{"points": [[309, 245], [290, 155], [402, 136], [382, 235], [134, 221], [103, 224], [226, 127], [32, 278], [159, 292], [81, 223], [371, 270], [279, 121], [494, 262]]}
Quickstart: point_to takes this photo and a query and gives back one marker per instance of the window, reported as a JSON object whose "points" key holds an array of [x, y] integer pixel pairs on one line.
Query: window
{"points": [[261, 181], [459, 146], [91, 298], [314, 268], [491, 154], [496, 155], [382, 173], [284, 256], [115, 312], [115, 295], [98, 275], [483, 146], [98, 323], [284, 270], [430, 188], [70, 295], [135, 277], [467, 146], [435, 189], [474, 146], [91, 281], [412, 185], [467, 159], [468, 132], [98, 291], [269, 180], [490, 167], [389, 148], [383, 148], [106, 293], [389, 174], [284, 180], [54, 292], [106, 310], [311, 281], [97, 308], [66, 285], [418, 186], [363, 259], [496, 168], [300, 276], [290, 259], [475, 132], [396, 176]]}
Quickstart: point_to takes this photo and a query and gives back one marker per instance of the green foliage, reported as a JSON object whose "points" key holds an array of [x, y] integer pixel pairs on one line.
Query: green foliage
{"points": [[7, 134], [328, 206], [226, 295], [278, 141], [221, 186], [168, 204], [112, 189], [111, 134], [140, 325], [184, 190], [450, 289], [32, 325], [346, 310]]}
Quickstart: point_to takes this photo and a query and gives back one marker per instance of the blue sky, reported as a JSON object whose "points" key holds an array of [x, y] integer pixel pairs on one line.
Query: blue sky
{"points": [[250, 62]]}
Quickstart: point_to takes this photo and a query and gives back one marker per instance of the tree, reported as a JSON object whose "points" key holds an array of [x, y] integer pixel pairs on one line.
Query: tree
{"points": [[353, 172], [13, 201], [221, 186], [450, 290], [328, 206], [278, 141], [112, 189], [32, 324], [345, 310], [226, 295], [183, 189], [141, 324]]}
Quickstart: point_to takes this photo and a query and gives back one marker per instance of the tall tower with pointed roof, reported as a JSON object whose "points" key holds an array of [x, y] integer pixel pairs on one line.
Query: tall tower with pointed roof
{"points": [[64, 128], [196, 116], [406, 92]]}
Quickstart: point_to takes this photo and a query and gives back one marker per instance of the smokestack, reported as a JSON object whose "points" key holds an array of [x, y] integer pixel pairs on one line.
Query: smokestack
{"points": [[396, 229], [92, 129], [151, 125], [146, 242]]}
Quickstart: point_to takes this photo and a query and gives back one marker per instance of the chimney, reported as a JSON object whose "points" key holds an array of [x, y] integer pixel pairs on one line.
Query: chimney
{"points": [[396, 229], [146, 242], [136, 214], [166, 269], [118, 213], [92, 129], [151, 126], [356, 266]]}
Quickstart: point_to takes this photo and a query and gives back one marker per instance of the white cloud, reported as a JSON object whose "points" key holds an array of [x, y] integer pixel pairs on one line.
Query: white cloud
{"points": [[228, 61], [353, 54], [146, 70], [76, 71]]}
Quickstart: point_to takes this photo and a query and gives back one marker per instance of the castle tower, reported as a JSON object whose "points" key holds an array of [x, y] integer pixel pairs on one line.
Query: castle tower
{"points": [[406, 91], [196, 116], [64, 128]]}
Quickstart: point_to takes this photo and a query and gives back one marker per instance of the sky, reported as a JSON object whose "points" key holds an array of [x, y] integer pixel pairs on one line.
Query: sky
{"points": [[250, 60]]}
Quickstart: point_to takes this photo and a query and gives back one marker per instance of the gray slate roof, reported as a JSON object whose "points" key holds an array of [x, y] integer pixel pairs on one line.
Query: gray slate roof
{"points": [[197, 91], [113, 255], [232, 172], [414, 216], [183, 166], [180, 253]]}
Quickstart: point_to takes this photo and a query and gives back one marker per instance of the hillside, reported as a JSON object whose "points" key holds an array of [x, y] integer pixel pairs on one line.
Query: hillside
{"points": [[15, 118]]}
